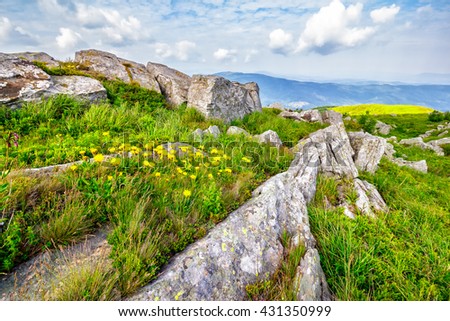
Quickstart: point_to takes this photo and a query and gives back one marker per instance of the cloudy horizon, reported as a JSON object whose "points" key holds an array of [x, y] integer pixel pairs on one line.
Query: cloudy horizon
{"points": [[329, 39]]}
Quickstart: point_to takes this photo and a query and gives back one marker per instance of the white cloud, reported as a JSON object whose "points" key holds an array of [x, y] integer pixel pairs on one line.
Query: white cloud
{"points": [[52, 7], [182, 50], [280, 41], [5, 27], [250, 54], [222, 54], [67, 38], [334, 28], [425, 9], [384, 14]]}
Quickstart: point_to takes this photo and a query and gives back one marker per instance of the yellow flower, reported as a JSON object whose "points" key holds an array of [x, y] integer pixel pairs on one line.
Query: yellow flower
{"points": [[85, 158], [184, 149], [228, 170], [82, 152], [112, 149], [246, 159], [171, 157], [74, 167], [179, 170], [198, 154], [184, 173], [114, 161], [94, 151], [145, 154], [157, 174], [105, 133], [197, 168], [110, 178], [98, 158], [201, 147], [216, 159], [225, 156], [214, 151], [120, 173], [148, 164], [187, 193], [193, 177], [210, 176]]}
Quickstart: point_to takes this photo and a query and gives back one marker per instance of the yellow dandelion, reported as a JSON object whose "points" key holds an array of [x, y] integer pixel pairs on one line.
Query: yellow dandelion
{"points": [[171, 157], [187, 193], [157, 174], [85, 158], [112, 150], [114, 161], [179, 170], [120, 173], [99, 158], [246, 160], [225, 156], [73, 167], [216, 159], [172, 152], [148, 164], [145, 154], [105, 133], [94, 151], [210, 176], [214, 151], [184, 173], [193, 177], [228, 170], [197, 168], [110, 178], [201, 147], [82, 152]]}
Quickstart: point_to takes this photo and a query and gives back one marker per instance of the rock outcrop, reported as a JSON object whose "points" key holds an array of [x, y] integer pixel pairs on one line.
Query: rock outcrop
{"points": [[21, 81], [37, 56], [331, 117], [310, 116], [369, 199], [174, 84], [368, 150], [245, 247], [216, 97], [382, 128], [269, 137], [420, 166], [418, 141], [111, 67]]}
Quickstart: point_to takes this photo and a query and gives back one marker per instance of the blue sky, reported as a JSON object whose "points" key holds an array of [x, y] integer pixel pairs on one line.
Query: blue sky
{"points": [[320, 39]]}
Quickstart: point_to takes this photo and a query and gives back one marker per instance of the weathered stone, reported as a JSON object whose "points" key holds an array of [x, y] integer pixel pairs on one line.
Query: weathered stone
{"points": [[440, 127], [245, 247], [420, 166], [234, 130], [382, 128], [389, 151], [443, 133], [269, 137], [440, 142], [310, 279], [216, 97], [37, 56], [80, 87], [369, 199], [291, 115], [174, 84], [392, 139], [197, 135], [21, 81], [310, 116], [348, 118], [277, 105], [212, 130], [334, 151], [331, 117], [418, 141], [113, 68], [368, 150]]}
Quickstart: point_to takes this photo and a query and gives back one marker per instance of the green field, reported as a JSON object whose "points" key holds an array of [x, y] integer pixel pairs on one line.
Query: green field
{"points": [[379, 109]]}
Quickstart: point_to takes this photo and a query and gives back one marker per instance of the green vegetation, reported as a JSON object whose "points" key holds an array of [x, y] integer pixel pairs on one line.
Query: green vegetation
{"points": [[437, 116], [153, 200], [379, 109], [67, 68]]}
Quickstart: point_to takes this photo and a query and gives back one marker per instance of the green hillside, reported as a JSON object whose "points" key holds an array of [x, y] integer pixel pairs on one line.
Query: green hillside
{"points": [[380, 109]]}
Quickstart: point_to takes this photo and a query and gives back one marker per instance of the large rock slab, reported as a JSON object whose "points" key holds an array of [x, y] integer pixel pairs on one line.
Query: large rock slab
{"points": [[37, 56], [368, 150], [174, 84], [331, 117], [21, 81], [334, 151], [80, 87], [217, 97], [420, 166], [245, 248], [114, 68]]}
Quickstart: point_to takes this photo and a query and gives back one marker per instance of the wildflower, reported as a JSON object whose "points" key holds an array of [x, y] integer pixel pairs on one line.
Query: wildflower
{"points": [[187, 193], [246, 160], [193, 177], [171, 157], [201, 147], [148, 164], [197, 168], [145, 154], [94, 151], [105, 133], [228, 170], [214, 151], [172, 152], [73, 167], [179, 170], [216, 159], [120, 173], [85, 158], [82, 152], [184, 149], [184, 173], [114, 161], [112, 149], [210, 176], [110, 178], [198, 154], [157, 174], [225, 157], [98, 158]]}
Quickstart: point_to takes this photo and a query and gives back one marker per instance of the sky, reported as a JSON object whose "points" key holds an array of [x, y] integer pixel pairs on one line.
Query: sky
{"points": [[300, 39]]}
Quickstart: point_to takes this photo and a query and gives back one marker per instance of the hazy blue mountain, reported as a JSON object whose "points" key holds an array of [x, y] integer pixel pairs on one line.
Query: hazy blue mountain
{"points": [[312, 94]]}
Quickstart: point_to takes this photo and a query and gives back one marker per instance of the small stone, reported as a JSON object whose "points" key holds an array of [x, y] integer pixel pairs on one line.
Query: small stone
{"points": [[212, 130], [234, 130], [269, 137]]}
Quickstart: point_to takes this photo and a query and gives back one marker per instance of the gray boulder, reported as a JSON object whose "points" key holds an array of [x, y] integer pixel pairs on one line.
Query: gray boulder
{"points": [[418, 141], [420, 166], [389, 151], [368, 150], [331, 117], [382, 128], [212, 130], [269, 137], [234, 130], [80, 87], [310, 116], [37, 56], [197, 135], [440, 142], [291, 115], [217, 97], [443, 133], [245, 248], [369, 199], [174, 84], [21, 81], [113, 68], [335, 154]]}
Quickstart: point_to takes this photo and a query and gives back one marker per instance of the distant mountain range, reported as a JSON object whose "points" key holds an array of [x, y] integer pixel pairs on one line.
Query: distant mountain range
{"points": [[299, 94]]}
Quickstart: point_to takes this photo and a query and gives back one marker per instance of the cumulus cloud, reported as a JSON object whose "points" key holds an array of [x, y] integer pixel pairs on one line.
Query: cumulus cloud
{"points": [[334, 28], [384, 14], [5, 27], [280, 41], [222, 54], [182, 50], [52, 7], [67, 38], [250, 54]]}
